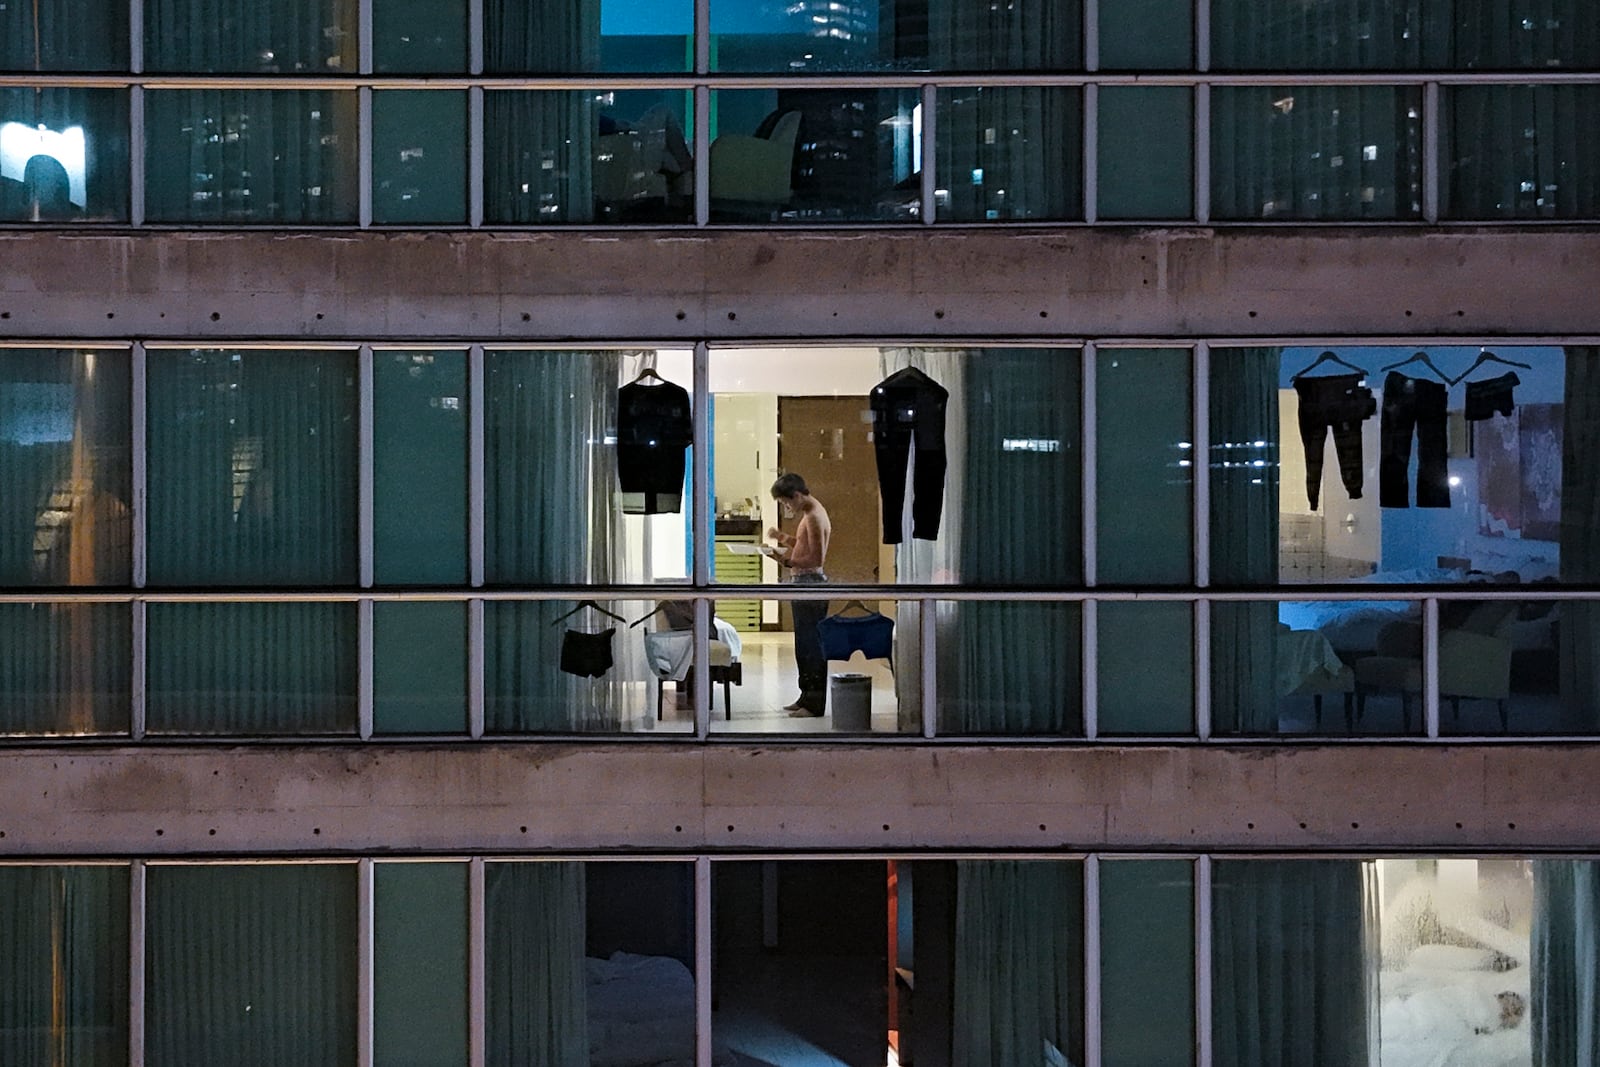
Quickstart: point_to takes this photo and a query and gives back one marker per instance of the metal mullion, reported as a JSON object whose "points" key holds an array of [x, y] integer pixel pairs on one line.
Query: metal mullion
{"points": [[1091, 961], [364, 669], [475, 157], [136, 155], [927, 629], [702, 961], [475, 37], [1430, 667], [1091, 670], [477, 966], [364, 157], [136, 933], [1202, 35], [1202, 152], [702, 153], [929, 160], [1430, 152], [139, 464], [1090, 488], [136, 36], [699, 531], [476, 475], [1202, 959], [475, 668], [1091, 152], [702, 36], [364, 56], [1200, 461], [365, 465], [1202, 669], [140, 673], [702, 676], [365, 977]]}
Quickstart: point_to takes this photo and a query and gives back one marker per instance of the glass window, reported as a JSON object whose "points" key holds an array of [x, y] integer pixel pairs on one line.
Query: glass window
{"points": [[1520, 152], [64, 968], [65, 467], [865, 35], [1146, 961], [251, 155], [250, 964], [1511, 667], [70, 35], [1146, 152], [590, 962], [582, 156], [230, 668], [1145, 464], [419, 36], [419, 157], [1146, 34], [419, 668], [252, 469], [609, 36], [815, 155], [1145, 654], [1316, 152], [1006, 153], [935, 465], [420, 467], [419, 936], [1010, 667], [251, 37], [63, 154], [65, 669]]}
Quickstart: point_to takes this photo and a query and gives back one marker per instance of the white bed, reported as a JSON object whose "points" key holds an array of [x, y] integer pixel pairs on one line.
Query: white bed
{"points": [[641, 1012]]}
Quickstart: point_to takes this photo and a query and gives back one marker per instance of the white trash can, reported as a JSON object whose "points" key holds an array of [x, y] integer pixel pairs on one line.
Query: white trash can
{"points": [[850, 696]]}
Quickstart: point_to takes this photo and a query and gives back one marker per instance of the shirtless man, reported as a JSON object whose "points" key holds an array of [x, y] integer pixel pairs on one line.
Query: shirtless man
{"points": [[804, 554]]}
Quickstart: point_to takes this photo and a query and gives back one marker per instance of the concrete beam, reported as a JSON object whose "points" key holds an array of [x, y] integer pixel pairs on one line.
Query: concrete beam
{"points": [[912, 283], [679, 797]]}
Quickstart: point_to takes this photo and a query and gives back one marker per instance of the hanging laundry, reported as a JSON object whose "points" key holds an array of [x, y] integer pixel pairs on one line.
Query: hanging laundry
{"points": [[654, 429], [908, 411], [1341, 403], [1413, 404], [1492, 396], [872, 635], [586, 654]]}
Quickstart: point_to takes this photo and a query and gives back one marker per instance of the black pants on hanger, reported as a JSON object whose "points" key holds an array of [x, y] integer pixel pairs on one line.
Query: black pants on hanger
{"points": [[1413, 404], [1342, 403], [904, 413]]}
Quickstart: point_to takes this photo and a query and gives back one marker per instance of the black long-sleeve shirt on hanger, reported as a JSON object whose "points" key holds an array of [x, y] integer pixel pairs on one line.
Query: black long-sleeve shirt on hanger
{"points": [[654, 428], [908, 410]]}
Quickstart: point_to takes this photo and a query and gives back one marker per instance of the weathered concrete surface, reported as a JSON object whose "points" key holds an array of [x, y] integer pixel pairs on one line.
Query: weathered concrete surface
{"points": [[1101, 282], [500, 797]]}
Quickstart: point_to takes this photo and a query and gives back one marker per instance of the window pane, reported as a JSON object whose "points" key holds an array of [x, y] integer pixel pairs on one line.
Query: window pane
{"points": [[419, 669], [65, 668], [935, 465], [1147, 961], [419, 964], [63, 155], [814, 36], [419, 156], [419, 36], [64, 968], [1010, 667], [1520, 151], [252, 467], [1146, 153], [1316, 152], [1421, 482], [225, 668], [584, 156], [250, 964], [1145, 458], [814, 155], [69, 35], [1514, 667], [1133, 639], [420, 467], [65, 467], [590, 962], [1146, 34], [611, 36], [251, 155], [251, 37], [1006, 153]]}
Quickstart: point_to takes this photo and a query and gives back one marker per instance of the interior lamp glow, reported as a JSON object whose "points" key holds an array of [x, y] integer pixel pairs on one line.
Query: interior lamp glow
{"points": [[20, 142]]}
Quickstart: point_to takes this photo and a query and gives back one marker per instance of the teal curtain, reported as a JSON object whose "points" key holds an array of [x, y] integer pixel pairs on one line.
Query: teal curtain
{"points": [[1316, 152], [63, 35], [65, 668], [1294, 962], [536, 920], [250, 965], [1022, 35], [315, 37], [1564, 1013], [1018, 963], [1579, 541], [64, 966], [1520, 151], [1244, 537]]}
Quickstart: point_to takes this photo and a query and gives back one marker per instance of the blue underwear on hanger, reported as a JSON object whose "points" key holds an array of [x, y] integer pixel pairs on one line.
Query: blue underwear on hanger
{"points": [[871, 635]]}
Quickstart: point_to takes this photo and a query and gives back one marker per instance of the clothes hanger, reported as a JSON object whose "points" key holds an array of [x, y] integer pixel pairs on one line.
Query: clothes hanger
{"points": [[852, 604], [1486, 356], [648, 372], [646, 618], [1421, 357], [588, 604], [1326, 357]]}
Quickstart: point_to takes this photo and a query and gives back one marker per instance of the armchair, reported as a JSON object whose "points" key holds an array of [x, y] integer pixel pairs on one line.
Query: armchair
{"points": [[1474, 660], [755, 170]]}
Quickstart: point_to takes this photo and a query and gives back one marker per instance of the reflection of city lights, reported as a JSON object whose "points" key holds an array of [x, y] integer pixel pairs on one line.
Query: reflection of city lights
{"points": [[20, 143]]}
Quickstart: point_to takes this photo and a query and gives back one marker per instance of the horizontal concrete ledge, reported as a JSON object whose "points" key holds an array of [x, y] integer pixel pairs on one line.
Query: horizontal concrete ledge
{"points": [[913, 283], [683, 797]]}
